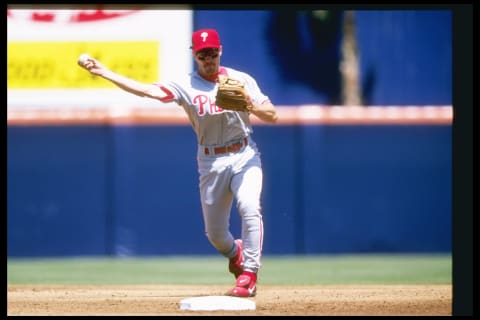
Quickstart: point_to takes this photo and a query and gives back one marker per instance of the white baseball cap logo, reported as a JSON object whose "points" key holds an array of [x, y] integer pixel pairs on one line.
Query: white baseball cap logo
{"points": [[205, 38]]}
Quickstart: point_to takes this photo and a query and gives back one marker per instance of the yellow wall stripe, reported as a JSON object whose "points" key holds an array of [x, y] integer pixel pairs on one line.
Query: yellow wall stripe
{"points": [[52, 64]]}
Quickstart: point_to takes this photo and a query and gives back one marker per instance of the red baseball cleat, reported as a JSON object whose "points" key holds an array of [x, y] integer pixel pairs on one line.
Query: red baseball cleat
{"points": [[246, 285], [235, 264]]}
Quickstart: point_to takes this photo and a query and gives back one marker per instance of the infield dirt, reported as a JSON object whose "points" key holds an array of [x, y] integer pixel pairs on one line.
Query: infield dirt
{"points": [[392, 300]]}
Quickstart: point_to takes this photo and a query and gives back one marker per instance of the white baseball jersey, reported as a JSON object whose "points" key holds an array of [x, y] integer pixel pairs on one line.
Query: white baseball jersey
{"points": [[212, 125], [227, 175]]}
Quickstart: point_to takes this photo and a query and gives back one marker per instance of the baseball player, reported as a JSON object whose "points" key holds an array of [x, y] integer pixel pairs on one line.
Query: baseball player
{"points": [[228, 160]]}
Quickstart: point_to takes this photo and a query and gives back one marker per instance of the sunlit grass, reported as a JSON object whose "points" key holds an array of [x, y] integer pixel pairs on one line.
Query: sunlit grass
{"points": [[280, 270]]}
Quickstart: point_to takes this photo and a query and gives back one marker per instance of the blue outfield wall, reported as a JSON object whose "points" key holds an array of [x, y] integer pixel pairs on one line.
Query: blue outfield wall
{"points": [[132, 190]]}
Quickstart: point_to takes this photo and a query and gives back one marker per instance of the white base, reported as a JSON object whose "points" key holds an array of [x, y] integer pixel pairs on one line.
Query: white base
{"points": [[217, 303]]}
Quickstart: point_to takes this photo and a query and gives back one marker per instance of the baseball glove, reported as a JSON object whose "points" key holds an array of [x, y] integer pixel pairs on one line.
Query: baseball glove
{"points": [[231, 95]]}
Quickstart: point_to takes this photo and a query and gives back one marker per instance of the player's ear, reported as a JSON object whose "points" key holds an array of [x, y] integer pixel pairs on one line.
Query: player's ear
{"points": [[194, 56], [220, 51]]}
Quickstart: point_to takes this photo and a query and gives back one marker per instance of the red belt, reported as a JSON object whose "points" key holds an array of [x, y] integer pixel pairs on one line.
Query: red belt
{"points": [[230, 148]]}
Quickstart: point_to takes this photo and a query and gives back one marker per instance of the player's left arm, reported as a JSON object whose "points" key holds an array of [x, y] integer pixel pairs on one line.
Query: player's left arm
{"points": [[264, 111], [260, 104]]}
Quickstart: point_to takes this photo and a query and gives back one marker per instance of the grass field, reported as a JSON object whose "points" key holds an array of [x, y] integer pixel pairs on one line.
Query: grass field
{"points": [[276, 270]]}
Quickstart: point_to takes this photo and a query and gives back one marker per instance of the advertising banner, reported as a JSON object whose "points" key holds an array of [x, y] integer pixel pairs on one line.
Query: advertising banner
{"points": [[147, 45]]}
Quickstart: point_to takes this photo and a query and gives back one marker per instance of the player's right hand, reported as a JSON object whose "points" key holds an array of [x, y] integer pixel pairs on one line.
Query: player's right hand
{"points": [[93, 66]]}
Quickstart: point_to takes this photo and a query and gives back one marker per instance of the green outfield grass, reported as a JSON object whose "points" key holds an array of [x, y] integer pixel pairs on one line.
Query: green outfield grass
{"points": [[276, 270]]}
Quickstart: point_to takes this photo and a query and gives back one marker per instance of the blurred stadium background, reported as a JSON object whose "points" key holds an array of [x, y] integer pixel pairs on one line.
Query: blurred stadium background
{"points": [[360, 162]]}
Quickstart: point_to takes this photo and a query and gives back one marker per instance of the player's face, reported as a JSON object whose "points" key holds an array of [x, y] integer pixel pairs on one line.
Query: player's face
{"points": [[208, 60]]}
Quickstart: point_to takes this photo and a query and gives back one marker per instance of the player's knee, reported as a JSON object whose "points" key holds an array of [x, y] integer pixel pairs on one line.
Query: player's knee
{"points": [[248, 208]]}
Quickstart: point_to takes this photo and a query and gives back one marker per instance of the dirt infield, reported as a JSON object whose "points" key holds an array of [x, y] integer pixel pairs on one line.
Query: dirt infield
{"points": [[410, 300]]}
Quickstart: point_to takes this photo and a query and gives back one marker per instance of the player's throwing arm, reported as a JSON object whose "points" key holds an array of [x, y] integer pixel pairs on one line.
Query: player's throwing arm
{"points": [[95, 67]]}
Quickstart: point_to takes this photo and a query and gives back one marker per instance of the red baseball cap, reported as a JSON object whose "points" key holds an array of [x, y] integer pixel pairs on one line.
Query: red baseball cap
{"points": [[205, 38]]}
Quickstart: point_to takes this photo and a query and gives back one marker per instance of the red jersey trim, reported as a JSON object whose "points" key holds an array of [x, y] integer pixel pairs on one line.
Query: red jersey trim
{"points": [[169, 97]]}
